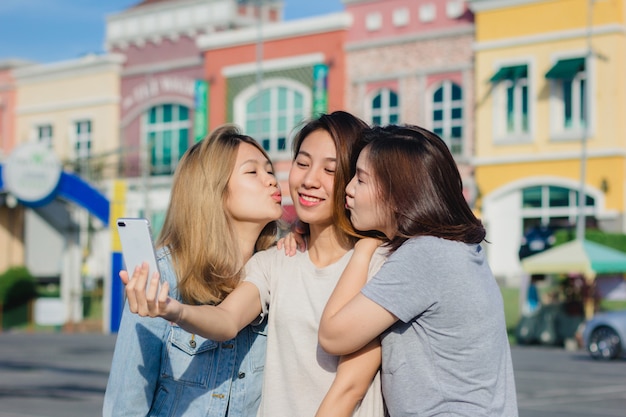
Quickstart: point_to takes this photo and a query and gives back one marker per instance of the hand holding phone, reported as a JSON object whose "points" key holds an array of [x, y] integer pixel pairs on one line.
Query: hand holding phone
{"points": [[137, 244]]}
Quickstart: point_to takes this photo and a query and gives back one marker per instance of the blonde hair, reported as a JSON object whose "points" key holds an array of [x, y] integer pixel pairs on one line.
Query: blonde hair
{"points": [[197, 229]]}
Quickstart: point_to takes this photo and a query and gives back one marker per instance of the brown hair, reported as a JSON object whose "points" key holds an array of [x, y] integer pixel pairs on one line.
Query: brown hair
{"points": [[419, 181], [346, 131], [197, 229]]}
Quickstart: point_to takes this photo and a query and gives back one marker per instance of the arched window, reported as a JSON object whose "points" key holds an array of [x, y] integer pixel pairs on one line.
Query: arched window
{"points": [[271, 114], [447, 115], [167, 132], [552, 205], [384, 108]]}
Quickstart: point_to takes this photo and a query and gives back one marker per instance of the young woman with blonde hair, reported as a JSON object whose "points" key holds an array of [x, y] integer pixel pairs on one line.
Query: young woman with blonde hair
{"points": [[224, 204]]}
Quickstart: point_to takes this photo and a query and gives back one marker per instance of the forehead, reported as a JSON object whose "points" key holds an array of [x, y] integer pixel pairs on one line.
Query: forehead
{"points": [[363, 161], [319, 143], [246, 152]]}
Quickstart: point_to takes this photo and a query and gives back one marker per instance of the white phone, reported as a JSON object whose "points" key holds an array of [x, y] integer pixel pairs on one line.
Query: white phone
{"points": [[137, 244]]}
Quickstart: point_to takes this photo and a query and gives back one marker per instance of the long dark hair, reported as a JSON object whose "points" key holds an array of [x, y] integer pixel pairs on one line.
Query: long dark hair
{"points": [[420, 183]]}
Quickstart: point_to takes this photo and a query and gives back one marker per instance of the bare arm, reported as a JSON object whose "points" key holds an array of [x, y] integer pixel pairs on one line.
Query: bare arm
{"points": [[354, 376], [221, 322], [351, 320]]}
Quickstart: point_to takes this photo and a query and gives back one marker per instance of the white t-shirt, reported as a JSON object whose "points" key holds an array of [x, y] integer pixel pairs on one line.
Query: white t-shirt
{"points": [[298, 373]]}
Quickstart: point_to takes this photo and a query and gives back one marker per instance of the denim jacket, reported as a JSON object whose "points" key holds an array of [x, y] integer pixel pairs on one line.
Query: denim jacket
{"points": [[158, 369]]}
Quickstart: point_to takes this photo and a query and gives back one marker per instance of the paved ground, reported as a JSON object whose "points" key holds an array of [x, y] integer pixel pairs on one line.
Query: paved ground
{"points": [[65, 375], [53, 374]]}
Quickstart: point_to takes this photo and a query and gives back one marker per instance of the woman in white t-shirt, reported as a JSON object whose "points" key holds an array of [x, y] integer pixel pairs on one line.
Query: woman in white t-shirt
{"points": [[290, 292]]}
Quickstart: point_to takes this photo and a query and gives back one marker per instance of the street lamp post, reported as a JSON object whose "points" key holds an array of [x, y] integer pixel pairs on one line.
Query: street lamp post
{"points": [[581, 220]]}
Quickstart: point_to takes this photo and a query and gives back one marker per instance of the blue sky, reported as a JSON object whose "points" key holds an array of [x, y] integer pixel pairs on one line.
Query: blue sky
{"points": [[56, 30]]}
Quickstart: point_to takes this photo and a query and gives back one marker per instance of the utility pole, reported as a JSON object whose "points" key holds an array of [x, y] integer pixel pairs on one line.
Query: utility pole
{"points": [[259, 64], [581, 220]]}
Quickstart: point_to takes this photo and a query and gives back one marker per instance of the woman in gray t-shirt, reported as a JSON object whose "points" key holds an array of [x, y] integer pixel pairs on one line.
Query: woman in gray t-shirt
{"points": [[435, 301]]}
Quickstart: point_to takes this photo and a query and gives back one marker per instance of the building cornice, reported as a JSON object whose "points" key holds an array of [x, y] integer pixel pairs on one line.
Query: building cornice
{"points": [[13, 63], [171, 20], [67, 105], [272, 31], [89, 64], [487, 5], [414, 37], [166, 66], [545, 157], [297, 61], [459, 67], [549, 37]]}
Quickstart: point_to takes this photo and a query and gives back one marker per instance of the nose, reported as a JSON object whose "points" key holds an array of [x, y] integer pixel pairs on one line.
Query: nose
{"points": [[311, 179], [271, 180], [350, 187]]}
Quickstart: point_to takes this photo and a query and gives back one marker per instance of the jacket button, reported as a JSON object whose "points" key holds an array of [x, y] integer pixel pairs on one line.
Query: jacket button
{"points": [[242, 375]]}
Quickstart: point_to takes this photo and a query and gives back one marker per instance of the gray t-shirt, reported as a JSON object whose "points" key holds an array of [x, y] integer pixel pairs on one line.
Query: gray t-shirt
{"points": [[448, 355]]}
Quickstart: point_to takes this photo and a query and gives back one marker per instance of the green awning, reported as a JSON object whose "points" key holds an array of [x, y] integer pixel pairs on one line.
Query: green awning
{"points": [[566, 69], [509, 73]]}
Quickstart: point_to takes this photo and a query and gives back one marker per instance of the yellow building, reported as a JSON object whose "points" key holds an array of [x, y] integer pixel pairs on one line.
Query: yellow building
{"points": [[72, 109], [550, 105]]}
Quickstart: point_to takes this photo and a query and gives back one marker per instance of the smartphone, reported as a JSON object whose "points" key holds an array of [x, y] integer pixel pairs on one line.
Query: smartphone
{"points": [[137, 244]]}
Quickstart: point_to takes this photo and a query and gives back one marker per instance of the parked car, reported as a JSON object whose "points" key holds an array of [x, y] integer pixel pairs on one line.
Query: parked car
{"points": [[604, 335]]}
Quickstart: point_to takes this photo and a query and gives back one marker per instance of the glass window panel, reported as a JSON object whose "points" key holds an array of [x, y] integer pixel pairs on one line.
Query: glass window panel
{"points": [[297, 100], [531, 197], [393, 118], [438, 115], [393, 99], [282, 144], [457, 132], [457, 92], [377, 102], [266, 100], [266, 144], [251, 107], [457, 113], [183, 142], [567, 103], [167, 113], [438, 131], [510, 114], [524, 109], [282, 98], [376, 120], [153, 147], [583, 107], [183, 113], [559, 197], [282, 123], [590, 201], [438, 96], [167, 147], [152, 115]]}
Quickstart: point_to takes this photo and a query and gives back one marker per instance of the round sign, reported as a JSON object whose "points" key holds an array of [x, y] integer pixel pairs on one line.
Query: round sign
{"points": [[31, 172]]}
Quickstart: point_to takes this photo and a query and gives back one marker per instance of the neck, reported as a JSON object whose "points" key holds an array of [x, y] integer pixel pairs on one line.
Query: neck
{"points": [[324, 246], [247, 235]]}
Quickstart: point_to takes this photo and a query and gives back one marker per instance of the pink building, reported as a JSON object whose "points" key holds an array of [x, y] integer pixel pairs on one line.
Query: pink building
{"points": [[163, 87], [8, 104], [270, 79], [411, 61]]}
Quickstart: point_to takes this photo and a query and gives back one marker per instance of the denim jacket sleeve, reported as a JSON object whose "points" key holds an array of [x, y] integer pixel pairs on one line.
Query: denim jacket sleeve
{"points": [[136, 364]]}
